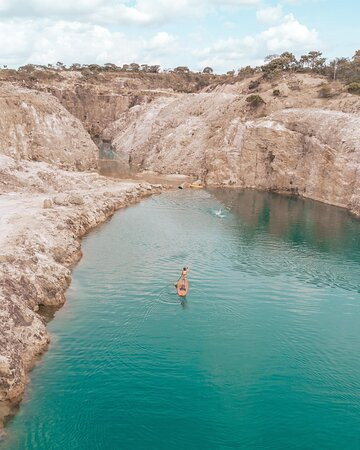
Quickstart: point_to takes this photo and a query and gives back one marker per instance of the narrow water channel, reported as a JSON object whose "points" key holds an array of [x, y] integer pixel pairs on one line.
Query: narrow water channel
{"points": [[264, 352]]}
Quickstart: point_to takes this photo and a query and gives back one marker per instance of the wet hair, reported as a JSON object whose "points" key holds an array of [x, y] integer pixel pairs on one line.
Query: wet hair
{"points": [[184, 268]]}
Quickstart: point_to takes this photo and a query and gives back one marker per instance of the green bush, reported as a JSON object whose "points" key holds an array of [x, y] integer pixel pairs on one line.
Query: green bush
{"points": [[325, 91], [255, 100], [354, 87], [276, 93]]}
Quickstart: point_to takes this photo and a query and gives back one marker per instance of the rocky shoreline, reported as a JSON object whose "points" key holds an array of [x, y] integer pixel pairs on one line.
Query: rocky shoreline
{"points": [[40, 243], [295, 142]]}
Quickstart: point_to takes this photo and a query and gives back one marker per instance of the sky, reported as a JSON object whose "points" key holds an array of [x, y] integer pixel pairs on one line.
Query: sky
{"points": [[223, 34]]}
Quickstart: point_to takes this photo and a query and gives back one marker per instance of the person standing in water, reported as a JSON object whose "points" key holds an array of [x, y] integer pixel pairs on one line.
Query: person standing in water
{"points": [[184, 273]]}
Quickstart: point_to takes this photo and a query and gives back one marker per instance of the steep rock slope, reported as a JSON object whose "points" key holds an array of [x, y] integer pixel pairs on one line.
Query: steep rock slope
{"points": [[99, 98], [308, 152], [312, 150], [97, 106], [36, 127]]}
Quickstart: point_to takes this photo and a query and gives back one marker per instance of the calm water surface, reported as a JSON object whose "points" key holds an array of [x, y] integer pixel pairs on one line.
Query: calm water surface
{"points": [[264, 353]]}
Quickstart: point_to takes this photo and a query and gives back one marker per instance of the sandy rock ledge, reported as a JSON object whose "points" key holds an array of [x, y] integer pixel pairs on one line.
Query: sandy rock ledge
{"points": [[40, 236]]}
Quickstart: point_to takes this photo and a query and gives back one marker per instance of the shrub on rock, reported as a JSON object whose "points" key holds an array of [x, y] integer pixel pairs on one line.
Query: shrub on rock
{"points": [[354, 87], [254, 84], [255, 100], [325, 91]]}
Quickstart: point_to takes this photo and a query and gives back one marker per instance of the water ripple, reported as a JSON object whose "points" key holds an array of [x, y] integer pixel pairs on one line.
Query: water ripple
{"points": [[263, 353]]}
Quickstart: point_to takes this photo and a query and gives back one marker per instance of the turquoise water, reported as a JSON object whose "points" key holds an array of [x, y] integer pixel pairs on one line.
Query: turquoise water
{"points": [[264, 352]]}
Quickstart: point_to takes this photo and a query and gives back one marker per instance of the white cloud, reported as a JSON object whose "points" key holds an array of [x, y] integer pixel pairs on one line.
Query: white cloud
{"points": [[227, 53], [139, 12], [49, 41], [47, 7], [237, 2], [162, 40], [289, 35], [161, 45], [4, 5], [100, 11], [145, 12], [270, 14], [85, 31]]}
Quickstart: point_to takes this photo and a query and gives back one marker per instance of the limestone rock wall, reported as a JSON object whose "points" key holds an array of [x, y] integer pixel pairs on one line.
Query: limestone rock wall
{"points": [[313, 152], [36, 127], [99, 100], [94, 107]]}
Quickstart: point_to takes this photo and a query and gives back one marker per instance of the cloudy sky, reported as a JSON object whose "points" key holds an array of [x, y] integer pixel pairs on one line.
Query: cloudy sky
{"points": [[225, 34]]}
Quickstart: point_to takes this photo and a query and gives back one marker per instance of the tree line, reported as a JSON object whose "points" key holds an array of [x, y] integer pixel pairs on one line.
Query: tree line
{"points": [[110, 67], [343, 69]]}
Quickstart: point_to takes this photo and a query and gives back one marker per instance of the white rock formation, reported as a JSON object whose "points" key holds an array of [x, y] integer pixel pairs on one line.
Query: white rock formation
{"points": [[313, 152], [36, 127]]}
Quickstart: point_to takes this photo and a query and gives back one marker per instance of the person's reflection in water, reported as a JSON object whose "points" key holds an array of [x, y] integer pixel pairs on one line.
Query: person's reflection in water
{"points": [[184, 303]]}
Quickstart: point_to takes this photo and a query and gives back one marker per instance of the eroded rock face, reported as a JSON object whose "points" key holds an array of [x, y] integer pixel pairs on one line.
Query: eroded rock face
{"points": [[36, 127], [216, 136], [314, 153], [99, 101], [95, 107]]}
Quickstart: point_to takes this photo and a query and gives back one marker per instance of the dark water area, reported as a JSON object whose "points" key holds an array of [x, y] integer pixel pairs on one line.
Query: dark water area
{"points": [[263, 353], [106, 150]]}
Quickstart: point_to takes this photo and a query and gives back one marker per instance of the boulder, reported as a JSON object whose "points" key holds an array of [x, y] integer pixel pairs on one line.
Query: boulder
{"points": [[47, 204], [76, 200], [61, 200]]}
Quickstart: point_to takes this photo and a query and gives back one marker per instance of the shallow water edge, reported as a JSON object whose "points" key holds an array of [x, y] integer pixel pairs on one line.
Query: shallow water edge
{"points": [[68, 226]]}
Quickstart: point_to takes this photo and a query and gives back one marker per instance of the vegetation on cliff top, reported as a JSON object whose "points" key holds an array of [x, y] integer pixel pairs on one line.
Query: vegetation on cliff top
{"points": [[181, 78]]}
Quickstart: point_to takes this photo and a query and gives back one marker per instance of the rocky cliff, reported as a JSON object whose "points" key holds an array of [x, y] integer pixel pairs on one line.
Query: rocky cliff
{"points": [[36, 127], [312, 150], [98, 99], [44, 211]]}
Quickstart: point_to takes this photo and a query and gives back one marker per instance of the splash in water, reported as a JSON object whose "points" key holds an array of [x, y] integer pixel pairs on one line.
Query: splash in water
{"points": [[220, 213]]}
